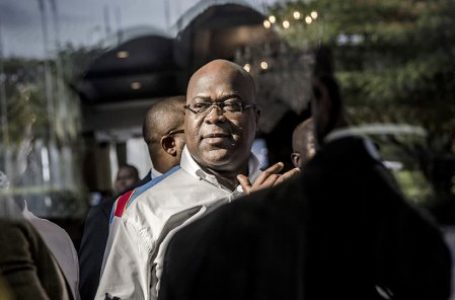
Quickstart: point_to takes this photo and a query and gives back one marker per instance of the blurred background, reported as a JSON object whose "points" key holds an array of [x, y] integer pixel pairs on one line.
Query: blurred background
{"points": [[76, 78]]}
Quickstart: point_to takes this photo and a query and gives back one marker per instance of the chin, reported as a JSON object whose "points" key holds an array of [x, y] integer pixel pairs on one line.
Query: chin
{"points": [[218, 157], [222, 161]]}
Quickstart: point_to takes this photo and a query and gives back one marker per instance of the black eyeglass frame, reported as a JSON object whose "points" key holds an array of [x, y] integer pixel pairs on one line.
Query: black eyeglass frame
{"points": [[173, 132], [220, 105], [169, 134]]}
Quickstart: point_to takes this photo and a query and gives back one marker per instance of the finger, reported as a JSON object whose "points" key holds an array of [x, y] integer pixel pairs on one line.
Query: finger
{"points": [[274, 169], [289, 174], [244, 182], [270, 180]]}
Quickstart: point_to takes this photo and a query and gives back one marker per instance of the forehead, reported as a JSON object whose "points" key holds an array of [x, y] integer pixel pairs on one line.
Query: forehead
{"points": [[215, 84]]}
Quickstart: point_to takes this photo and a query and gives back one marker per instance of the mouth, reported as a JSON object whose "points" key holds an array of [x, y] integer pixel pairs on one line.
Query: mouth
{"points": [[217, 139], [216, 135]]}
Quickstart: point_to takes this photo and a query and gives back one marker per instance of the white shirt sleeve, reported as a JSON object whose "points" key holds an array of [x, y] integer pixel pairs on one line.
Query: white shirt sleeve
{"points": [[125, 272]]}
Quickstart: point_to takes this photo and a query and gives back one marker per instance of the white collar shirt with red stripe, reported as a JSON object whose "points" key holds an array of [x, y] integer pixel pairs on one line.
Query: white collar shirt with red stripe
{"points": [[138, 238]]}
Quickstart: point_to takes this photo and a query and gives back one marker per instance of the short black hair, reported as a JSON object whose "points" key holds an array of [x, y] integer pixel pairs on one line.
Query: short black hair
{"points": [[168, 110], [131, 168]]}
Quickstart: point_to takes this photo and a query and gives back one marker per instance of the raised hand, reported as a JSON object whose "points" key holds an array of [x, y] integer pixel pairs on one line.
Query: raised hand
{"points": [[268, 178]]}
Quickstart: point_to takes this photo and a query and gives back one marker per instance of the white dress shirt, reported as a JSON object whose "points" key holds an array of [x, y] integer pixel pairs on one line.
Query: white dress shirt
{"points": [[133, 259]]}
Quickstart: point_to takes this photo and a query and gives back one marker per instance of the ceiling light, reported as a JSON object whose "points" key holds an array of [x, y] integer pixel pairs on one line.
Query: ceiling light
{"points": [[136, 85], [122, 54]]}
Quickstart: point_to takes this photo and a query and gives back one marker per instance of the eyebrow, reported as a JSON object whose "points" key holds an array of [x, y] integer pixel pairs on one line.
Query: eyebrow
{"points": [[223, 98]]}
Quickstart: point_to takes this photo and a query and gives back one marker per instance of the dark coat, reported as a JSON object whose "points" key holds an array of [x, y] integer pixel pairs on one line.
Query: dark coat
{"points": [[27, 265], [94, 238], [342, 230]]}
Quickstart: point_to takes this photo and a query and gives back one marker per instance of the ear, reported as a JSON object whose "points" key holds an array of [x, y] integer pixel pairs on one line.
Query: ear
{"points": [[168, 145], [296, 161]]}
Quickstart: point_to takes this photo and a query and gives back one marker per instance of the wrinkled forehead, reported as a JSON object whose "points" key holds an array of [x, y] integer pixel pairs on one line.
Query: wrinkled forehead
{"points": [[219, 83]]}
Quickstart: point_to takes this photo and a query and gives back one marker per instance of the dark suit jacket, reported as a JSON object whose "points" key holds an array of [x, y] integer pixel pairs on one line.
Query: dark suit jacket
{"points": [[94, 238], [26, 264], [341, 230]]}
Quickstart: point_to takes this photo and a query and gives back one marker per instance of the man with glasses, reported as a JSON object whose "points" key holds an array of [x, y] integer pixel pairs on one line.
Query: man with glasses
{"points": [[162, 131], [220, 124]]}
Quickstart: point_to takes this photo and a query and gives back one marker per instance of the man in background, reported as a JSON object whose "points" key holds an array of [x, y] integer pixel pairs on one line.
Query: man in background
{"points": [[127, 177], [163, 133], [303, 143]]}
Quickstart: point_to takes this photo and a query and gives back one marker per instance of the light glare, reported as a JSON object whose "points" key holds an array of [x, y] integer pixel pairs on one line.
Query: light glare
{"points": [[136, 85], [122, 54]]}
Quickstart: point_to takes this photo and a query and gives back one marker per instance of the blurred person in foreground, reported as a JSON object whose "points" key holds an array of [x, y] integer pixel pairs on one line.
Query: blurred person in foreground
{"points": [[220, 126], [162, 131], [5, 292], [303, 143], [341, 230], [28, 269], [25, 167]]}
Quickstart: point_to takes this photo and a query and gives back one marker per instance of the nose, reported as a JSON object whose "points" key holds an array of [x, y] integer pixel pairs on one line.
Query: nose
{"points": [[215, 115]]}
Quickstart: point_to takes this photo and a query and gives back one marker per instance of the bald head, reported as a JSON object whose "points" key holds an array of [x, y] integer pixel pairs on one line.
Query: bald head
{"points": [[163, 119], [231, 73], [303, 143]]}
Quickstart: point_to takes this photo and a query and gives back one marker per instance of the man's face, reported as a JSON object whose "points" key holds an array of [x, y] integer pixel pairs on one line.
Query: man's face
{"points": [[126, 178], [216, 139], [302, 156]]}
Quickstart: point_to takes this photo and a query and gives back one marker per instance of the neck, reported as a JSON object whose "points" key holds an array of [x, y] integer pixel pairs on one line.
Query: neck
{"points": [[228, 178], [164, 164], [339, 123]]}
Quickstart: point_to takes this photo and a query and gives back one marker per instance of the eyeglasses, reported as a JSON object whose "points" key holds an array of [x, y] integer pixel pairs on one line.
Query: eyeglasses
{"points": [[173, 132], [228, 106], [167, 135]]}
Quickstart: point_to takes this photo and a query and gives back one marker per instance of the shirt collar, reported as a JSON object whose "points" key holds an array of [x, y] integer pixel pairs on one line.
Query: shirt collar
{"points": [[26, 212], [154, 173], [354, 132], [340, 133], [188, 163]]}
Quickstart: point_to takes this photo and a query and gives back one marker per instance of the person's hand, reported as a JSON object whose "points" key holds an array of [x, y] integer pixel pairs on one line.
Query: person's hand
{"points": [[270, 177]]}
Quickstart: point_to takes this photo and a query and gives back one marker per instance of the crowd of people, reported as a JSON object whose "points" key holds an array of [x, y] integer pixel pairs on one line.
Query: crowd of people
{"points": [[207, 223]]}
